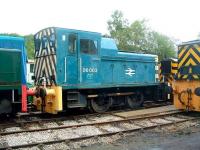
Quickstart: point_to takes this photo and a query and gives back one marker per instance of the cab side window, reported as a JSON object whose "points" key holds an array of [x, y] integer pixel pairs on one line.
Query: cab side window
{"points": [[37, 44], [72, 43], [31, 68], [88, 46], [44, 42]]}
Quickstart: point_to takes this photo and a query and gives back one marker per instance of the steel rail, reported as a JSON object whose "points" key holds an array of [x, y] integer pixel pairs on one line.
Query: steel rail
{"points": [[19, 122], [67, 140], [139, 117]]}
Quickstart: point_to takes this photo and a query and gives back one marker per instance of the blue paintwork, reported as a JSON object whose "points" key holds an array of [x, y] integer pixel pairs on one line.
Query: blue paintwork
{"points": [[108, 67], [75, 78], [16, 44], [115, 63]]}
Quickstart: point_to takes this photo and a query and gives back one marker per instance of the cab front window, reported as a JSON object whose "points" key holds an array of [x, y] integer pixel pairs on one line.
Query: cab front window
{"points": [[88, 46]]}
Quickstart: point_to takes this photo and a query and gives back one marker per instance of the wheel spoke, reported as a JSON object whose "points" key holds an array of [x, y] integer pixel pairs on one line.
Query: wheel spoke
{"points": [[100, 104], [135, 101]]}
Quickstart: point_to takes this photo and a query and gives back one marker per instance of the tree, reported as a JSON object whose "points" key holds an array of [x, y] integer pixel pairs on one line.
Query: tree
{"points": [[162, 45], [138, 37], [119, 29], [29, 43], [128, 37], [139, 33]]}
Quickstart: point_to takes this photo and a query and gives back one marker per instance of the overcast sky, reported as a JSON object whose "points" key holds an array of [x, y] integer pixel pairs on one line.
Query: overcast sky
{"points": [[179, 19]]}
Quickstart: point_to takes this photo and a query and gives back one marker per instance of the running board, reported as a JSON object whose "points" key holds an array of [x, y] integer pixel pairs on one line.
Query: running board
{"points": [[111, 94]]}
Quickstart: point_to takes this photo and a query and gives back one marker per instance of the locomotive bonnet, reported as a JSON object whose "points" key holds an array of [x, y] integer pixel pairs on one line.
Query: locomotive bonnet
{"points": [[12, 74]]}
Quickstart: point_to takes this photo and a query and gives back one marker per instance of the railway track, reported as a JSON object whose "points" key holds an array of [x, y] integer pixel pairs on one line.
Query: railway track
{"points": [[90, 128], [27, 118]]}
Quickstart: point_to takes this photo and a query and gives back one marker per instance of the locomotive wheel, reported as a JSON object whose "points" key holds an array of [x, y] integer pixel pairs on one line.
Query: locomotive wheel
{"points": [[135, 101], [6, 106], [100, 105]]}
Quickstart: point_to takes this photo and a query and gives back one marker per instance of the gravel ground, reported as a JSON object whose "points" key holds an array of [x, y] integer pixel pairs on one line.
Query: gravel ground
{"points": [[69, 122], [11, 129], [90, 119], [173, 118], [50, 135], [145, 123], [51, 124], [129, 126], [155, 139], [110, 128], [161, 121], [184, 136], [106, 118], [25, 138], [33, 126]]}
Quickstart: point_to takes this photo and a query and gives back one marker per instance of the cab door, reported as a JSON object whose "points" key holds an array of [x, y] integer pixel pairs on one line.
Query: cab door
{"points": [[89, 61], [71, 60]]}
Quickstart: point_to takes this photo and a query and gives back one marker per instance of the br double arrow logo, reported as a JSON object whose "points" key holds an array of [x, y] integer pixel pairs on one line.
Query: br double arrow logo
{"points": [[130, 72]]}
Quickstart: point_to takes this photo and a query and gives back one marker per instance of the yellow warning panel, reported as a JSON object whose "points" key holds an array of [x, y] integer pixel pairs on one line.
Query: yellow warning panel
{"points": [[186, 95]]}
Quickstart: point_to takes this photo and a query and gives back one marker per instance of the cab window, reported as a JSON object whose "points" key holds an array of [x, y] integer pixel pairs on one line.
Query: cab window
{"points": [[88, 46], [72, 43], [37, 44], [31, 68]]}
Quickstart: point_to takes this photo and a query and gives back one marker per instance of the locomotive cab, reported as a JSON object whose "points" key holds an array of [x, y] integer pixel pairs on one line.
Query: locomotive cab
{"points": [[60, 55]]}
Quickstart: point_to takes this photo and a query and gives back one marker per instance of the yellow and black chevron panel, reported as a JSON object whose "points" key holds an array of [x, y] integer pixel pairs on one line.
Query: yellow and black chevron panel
{"points": [[170, 78], [168, 69], [189, 60], [45, 55], [161, 77], [174, 66]]}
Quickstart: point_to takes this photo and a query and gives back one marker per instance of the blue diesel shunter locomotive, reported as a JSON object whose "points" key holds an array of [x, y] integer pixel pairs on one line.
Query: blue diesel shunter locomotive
{"points": [[75, 69]]}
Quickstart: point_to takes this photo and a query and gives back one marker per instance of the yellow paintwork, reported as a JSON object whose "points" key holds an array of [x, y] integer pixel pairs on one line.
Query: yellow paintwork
{"points": [[168, 77], [53, 100], [183, 86], [159, 73], [188, 57], [174, 64], [174, 67], [181, 52]]}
